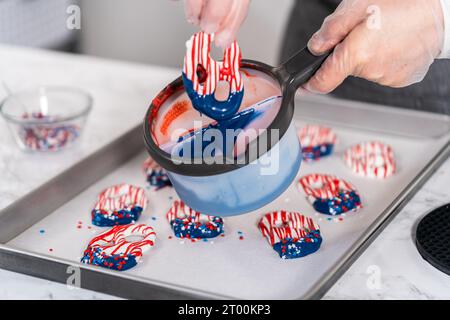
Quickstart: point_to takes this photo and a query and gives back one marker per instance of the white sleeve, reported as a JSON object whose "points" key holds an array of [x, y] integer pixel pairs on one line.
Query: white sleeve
{"points": [[445, 53]]}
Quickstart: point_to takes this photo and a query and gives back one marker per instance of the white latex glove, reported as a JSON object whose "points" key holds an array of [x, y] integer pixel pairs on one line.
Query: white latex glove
{"points": [[222, 17], [390, 42]]}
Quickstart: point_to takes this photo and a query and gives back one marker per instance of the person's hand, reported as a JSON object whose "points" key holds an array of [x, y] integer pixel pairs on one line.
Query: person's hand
{"points": [[390, 42], [221, 17]]}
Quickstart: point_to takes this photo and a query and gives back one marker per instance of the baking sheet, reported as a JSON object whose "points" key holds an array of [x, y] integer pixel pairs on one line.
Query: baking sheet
{"points": [[249, 268]]}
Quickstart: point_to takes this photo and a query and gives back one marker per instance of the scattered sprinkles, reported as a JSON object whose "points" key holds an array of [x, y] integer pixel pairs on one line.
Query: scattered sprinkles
{"points": [[340, 218]]}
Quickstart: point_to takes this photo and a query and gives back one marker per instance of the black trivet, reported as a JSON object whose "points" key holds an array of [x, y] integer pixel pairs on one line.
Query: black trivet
{"points": [[433, 238]]}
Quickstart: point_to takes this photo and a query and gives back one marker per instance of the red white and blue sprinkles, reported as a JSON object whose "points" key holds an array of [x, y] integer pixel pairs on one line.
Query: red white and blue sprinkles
{"points": [[118, 205], [291, 234], [190, 224], [329, 194], [112, 250], [48, 135]]}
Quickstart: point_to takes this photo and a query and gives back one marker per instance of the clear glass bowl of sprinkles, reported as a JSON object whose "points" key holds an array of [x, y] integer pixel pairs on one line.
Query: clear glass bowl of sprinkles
{"points": [[46, 119]]}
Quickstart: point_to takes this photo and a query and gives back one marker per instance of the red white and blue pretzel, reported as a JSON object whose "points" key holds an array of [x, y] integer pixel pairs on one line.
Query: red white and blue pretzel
{"points": [[191, 224], [121, 196], [201, 74], [323, 185], [291, 234], [155, 174], [198, 49], [112, 250], [119, 204], [280, 225], [329, 194], [316, 141], [371, 159]]}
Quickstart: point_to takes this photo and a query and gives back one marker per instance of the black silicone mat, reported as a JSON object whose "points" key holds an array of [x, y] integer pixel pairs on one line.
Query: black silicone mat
{"points": [[433, 238]]}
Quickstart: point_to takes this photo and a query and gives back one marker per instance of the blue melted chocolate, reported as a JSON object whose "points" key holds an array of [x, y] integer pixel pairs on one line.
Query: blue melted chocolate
{"points": [[316, 152], [187, 228], [225, 146], [105, 219], [345, 201], [210, 106], [119, 262], [297, 248]]}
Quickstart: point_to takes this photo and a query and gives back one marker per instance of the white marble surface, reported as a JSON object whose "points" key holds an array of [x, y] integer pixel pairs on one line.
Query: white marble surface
{"points": [[121, 92], [390, 268]]}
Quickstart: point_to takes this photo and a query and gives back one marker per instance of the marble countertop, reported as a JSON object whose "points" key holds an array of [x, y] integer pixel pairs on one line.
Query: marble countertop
{"points": [[391, 267], [115, 87], [384, 271]]}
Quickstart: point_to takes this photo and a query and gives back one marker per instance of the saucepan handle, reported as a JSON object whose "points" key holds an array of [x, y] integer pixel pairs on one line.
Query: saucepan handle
{"points": [[298, 69]]}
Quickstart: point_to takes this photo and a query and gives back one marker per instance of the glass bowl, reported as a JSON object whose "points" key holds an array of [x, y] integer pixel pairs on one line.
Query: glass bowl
{"points": [[46, 119]]}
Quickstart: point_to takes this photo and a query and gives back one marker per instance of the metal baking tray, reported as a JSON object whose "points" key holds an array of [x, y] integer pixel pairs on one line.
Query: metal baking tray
{"points": [[226, 267]]}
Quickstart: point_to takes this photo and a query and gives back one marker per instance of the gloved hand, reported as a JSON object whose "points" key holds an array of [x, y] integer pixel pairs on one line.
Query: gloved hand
{"points": [[390, 42], [222, 17]]}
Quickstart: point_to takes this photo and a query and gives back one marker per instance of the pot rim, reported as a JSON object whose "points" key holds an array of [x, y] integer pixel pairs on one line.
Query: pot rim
{"points": [[200, 168]]}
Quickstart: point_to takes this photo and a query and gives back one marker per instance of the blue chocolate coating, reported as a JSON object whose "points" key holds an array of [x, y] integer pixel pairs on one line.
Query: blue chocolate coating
{"points": [[236, 123], [344, 202], [209, 105], [297, 248], [229, 197], [120, 217], [316, 152], [117, 262], [186, 228]]}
